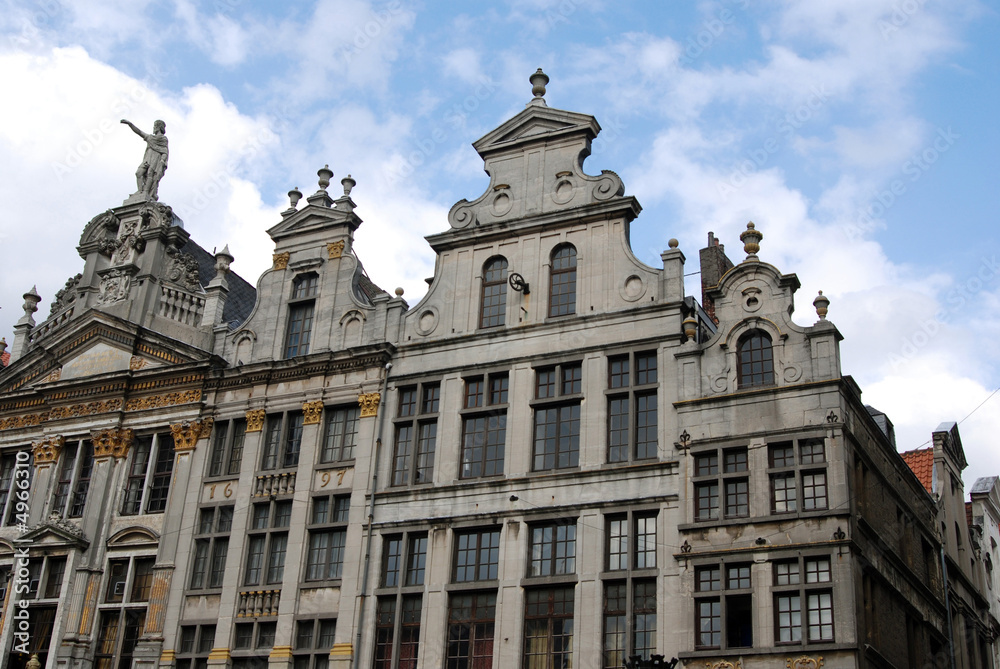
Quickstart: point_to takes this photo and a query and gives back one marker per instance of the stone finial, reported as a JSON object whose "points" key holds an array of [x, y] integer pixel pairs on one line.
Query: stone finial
{"points": [[348, 183], [325, 174], [294, 196], [751, 241], [691, 328], [399, 291], [31, 300], [673, 243], [538, 81], [821, 303], [222, 260]]}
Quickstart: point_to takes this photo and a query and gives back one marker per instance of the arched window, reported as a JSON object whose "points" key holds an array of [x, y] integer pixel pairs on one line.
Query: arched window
{"points": [[562, 281], [493, 304], [755, 359], [300, 314]]}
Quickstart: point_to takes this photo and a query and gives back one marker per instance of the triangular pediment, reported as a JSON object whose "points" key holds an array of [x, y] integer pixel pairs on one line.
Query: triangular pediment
{"points": [[534, 123], [316, 218], [56, 533]]}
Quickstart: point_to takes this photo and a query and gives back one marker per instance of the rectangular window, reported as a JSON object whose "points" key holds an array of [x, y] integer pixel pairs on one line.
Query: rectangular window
{"points": [[196, 642], [477, 555], [340, 432], [631, 541], [76, 465], [484, 433], [301, 309], [397, 631], [416, 438], [629, 620], [227, 448], [553, 549], [265, 561], [471, 619], [327, 537], [313, 642], [723, 620], [796, 482], [804, 580], [211, 547], [557, 421], [632, 413], [548, 628], [282, 441], [721, 492], [148, 484]]}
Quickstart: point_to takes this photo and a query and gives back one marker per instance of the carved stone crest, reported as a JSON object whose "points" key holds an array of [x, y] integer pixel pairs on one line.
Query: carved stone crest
{"points": [[114, 287], [112, 442], [255, 420], [281, 260], [311, 412], [128, 242], [136, 363], [369, 404], [183, 269], [47, 450], [335, 249], [156, 214], [66, 295]]}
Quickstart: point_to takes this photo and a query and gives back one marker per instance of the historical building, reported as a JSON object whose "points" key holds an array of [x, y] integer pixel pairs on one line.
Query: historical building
{"points": [[554, 459]]}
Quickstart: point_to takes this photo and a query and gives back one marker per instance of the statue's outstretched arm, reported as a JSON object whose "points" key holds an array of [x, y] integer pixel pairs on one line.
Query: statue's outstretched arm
{"points": [[134, 129]]}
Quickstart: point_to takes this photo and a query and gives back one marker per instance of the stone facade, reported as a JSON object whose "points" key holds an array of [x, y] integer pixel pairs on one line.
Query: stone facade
{"points": [[556, 458]]}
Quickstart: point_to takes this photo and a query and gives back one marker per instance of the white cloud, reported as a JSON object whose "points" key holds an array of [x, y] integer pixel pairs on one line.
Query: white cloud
{"points": [[464, 64]]}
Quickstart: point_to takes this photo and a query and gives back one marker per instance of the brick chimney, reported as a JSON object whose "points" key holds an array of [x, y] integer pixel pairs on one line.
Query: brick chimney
{"points": [[714, 264]]}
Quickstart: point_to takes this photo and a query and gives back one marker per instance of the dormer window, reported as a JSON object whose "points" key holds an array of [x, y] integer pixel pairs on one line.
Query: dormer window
{"points": [[300, 314], [494, 298], [756, 360], [562, 281]]}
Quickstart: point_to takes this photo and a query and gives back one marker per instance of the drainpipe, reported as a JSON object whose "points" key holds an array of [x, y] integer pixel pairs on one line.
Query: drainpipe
{"points": [[371, 518], [947, 605]]}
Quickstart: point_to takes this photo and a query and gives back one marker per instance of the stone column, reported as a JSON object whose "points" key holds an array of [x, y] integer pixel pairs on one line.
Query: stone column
{"points": [[46, 458]]}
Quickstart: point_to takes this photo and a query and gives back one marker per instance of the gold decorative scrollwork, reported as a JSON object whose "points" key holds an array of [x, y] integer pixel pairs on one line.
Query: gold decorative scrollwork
{"points": [[112, 442], [281, 260], [136, 362], [311, 412], [255, 420], [157, 401], [724, 664], [30, 420], [335, 249], [47, 450], [187, 434], [804, 662], [369, 404]]}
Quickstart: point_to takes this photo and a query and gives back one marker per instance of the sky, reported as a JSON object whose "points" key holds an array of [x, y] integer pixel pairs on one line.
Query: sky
{"points": [[859, 136]]}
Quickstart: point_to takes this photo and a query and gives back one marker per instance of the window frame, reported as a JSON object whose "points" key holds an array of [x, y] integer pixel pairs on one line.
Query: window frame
{"points": [[631, 390], [215, 537], [332, 524], [281, 441], [316, 652], [130, 603], [717, 474], [567, 267], [554, 629], [151, 483], [348, 418], [489, 549], [541, 565], [727, 596], [301, 310], [399, 600], [564, 392], [493, 294], [415, 414], [623, 569], [273, 539], [195, 656], [226, 457], [788, 473], [803, 589], [746, 376], [485, 407]]}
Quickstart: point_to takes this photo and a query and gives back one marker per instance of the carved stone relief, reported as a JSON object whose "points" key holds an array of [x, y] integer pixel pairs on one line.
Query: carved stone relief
{"points": [[47, 450], [186, 434], [311, 412], [182, 269], [281, 260], [255, 420], [114, 287], [369, 404], [112, 442], [804, 662], [335, 249], [66, 295]]}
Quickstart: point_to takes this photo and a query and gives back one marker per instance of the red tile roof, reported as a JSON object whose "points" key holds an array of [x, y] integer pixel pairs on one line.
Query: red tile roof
{"points": [[921, 461], [4, 359]]}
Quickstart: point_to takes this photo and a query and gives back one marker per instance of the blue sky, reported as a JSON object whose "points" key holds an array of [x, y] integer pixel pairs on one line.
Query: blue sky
{"points": [[859, 136]]}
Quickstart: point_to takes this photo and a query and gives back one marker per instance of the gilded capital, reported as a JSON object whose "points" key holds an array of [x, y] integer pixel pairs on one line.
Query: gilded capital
{"points": [[255, 420], [187, 434], [369, 404], [112, 442], [311, 412], [335, 249], [47, 450], [281, 260]]}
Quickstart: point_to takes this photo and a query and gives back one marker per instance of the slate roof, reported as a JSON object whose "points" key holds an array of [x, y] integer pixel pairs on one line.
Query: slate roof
{"points": [[921, 462], [242, 296], [367, 287]]}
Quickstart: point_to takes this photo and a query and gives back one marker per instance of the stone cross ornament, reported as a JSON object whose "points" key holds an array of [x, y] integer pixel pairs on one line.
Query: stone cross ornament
{"points": [[154, 161]]}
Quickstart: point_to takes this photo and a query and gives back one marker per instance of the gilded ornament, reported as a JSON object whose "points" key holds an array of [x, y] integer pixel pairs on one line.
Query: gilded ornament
{"points": [[53, 375], [724, 664], [136, 362], [47, 450], [311, 412], [157, 401], [186, 434], [335, 249], [255, 420], [369, 404], [804, 662], [112, 442], [281, 260]]}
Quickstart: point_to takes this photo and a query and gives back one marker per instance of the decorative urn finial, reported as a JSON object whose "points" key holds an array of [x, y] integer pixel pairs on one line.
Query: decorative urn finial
{"points": [[223, 259], [538, 81], [821, 303], [294, 196], [31, 300], [348, 183], [751, 241], [325, 175], [3, 345]]}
